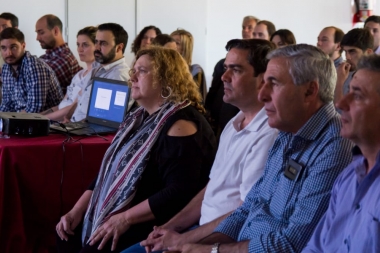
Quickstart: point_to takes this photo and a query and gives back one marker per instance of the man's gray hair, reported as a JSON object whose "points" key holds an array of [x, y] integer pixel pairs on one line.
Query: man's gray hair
{"points": [[308, 63]]}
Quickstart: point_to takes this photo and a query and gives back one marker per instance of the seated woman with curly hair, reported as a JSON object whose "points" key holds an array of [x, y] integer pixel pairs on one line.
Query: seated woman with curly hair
{"points": [[159, 159]]}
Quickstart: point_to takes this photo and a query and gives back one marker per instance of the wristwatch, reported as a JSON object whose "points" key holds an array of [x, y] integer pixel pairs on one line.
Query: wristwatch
{"points": [[215, 248]]}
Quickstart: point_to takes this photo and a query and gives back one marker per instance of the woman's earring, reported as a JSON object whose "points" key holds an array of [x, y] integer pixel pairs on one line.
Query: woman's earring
{"points": [[166, 92]]}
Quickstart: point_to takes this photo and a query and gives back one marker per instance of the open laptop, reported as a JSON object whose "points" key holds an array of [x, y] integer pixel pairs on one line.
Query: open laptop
{"points": [[106, 109]]}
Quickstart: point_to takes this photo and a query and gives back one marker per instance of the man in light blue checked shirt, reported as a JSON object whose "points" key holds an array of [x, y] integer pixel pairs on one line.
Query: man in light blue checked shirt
{"points": [[282, 209], [29, 84]]}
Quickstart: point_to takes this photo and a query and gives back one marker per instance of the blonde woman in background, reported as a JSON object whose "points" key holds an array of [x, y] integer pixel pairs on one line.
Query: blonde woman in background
{"points": [[185, 42]]}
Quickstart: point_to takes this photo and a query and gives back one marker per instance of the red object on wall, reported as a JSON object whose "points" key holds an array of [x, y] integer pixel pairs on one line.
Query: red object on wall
{"points": [[363, 9]]}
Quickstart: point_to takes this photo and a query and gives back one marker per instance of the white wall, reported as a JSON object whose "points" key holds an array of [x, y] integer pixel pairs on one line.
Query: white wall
{"points": [[28, 12], [82, 13], [212, 22], [305, 18], [168, 15]]}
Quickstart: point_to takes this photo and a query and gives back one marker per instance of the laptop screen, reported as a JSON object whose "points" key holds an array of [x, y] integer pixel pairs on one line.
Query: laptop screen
{"points": [[109, 100]]}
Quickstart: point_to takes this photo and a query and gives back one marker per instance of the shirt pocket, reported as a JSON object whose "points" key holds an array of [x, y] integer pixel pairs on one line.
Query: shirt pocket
{"points": [[284, 197]]}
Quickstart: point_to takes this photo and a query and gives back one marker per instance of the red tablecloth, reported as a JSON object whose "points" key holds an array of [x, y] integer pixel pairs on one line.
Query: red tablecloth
{"points": [[40, 179]]}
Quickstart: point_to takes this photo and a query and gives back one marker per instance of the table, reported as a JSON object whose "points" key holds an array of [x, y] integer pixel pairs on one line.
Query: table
{"points": [[41, 178]]}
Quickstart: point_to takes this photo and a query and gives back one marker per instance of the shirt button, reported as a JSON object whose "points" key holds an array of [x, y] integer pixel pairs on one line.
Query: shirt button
{"points": [[345, 241], [357, 206], [249, 224]]}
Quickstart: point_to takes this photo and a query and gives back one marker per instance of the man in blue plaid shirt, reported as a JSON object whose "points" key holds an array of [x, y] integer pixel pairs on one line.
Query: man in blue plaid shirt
{"points": [[29, 84], [282, 209]]}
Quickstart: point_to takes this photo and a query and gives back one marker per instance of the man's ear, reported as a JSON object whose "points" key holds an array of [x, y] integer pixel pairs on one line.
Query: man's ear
{"points": [[368, 51], [56, 30], [312, 90], [260, 81], [23, 45], [119, 47], [338, 47]]}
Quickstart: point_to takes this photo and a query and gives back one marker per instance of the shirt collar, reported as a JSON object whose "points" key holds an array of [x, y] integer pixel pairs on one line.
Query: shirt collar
{"points": [[56, 50], [361, 164], [111, 65], [21, 62], [338, 61], [255, 124], [95, 65], [377, 51], [311, 129]]}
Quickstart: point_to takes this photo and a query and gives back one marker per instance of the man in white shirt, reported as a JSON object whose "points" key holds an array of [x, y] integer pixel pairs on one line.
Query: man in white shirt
{"points": [[242, 152]]}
